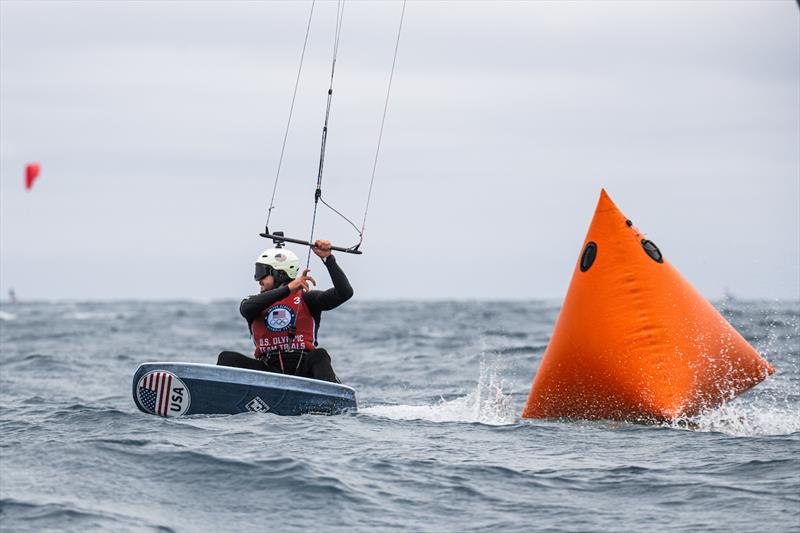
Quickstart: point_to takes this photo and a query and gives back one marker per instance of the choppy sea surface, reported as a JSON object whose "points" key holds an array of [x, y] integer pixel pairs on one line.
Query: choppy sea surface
{"points": [[437, 444]]}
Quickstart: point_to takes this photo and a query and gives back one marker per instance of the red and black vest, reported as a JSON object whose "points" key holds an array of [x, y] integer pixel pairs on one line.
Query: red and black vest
{"points": [[286, 326]]}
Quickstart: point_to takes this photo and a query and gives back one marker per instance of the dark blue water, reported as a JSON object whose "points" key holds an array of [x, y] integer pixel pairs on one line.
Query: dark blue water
{"points": [[436, 446]]}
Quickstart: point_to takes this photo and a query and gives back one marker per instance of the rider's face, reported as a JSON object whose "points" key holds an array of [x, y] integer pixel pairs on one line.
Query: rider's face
{"points": [[266, 283]]}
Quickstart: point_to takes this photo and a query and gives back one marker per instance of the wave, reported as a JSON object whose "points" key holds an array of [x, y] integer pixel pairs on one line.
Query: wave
{"points": [[37, 361], [742, 419], [93, 315], [56, 516], [488, 404], [284, 471]]}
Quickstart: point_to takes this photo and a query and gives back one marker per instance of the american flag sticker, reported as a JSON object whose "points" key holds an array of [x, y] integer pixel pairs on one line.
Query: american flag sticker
{"points": [[279, 318], [163, 393]]}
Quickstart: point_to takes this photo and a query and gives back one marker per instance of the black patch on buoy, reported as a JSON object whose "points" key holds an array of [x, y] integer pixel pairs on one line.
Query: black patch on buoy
{"points": [[652, 250], [629, 223], [589, 254]]}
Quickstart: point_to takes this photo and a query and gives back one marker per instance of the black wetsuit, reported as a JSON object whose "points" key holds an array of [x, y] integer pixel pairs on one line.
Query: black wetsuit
{"points": [[315, 364]]}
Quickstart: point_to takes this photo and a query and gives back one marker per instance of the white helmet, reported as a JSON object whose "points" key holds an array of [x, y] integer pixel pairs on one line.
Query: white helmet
{"points": [[277, 259]]}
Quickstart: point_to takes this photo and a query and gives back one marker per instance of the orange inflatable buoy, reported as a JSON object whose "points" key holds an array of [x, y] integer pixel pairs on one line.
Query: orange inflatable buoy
{"points": [[634, 340]]}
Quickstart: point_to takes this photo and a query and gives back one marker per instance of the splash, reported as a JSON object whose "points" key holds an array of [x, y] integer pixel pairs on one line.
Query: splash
{"points": [[740, 419], [771, 408], [487, 404]]}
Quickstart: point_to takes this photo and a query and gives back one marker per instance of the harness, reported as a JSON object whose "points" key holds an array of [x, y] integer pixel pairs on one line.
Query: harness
{"points": [[270, 355]]}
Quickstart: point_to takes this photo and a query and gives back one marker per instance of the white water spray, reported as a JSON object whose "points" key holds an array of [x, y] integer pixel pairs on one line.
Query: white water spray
{"points": [[487, 404]]}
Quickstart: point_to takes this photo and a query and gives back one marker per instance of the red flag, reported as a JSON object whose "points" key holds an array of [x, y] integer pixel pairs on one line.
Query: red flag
{"points": [[31, 173]]}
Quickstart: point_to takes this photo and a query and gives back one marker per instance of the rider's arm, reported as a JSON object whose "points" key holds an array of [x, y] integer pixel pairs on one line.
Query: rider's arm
{"points": [[253, 305], [334, 297]]}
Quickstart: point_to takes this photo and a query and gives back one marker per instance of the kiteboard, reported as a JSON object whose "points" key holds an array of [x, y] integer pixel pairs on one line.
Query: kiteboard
{"points": [[179, 389]]}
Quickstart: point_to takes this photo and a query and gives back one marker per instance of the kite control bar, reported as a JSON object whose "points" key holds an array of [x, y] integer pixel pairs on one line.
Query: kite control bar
{"points": [[279, 239]]}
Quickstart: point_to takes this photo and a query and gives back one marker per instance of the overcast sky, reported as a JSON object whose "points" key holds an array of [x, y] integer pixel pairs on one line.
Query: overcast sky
{"points": [[158, 126]]}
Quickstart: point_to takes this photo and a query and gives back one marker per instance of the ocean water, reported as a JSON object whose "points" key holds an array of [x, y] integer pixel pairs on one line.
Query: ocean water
{"points": [[437, 444]]}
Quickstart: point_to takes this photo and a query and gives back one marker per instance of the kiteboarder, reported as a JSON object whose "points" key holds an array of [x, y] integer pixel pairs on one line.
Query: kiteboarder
{"points": [[284, 318]]}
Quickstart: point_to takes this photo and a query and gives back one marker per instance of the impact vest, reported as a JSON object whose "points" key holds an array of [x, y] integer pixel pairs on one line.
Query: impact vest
{"points": [[286, 326]]}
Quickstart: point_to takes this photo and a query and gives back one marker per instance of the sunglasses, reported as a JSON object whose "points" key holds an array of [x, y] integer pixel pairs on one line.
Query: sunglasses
{"points": [[262, 271]]}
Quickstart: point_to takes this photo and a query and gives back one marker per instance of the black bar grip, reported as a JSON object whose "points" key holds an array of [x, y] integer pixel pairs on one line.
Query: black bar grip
{"points": [[281, 238]]}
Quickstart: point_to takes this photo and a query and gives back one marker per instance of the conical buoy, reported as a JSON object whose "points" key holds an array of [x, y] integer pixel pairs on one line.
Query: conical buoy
{"points": [[634, 340]]}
